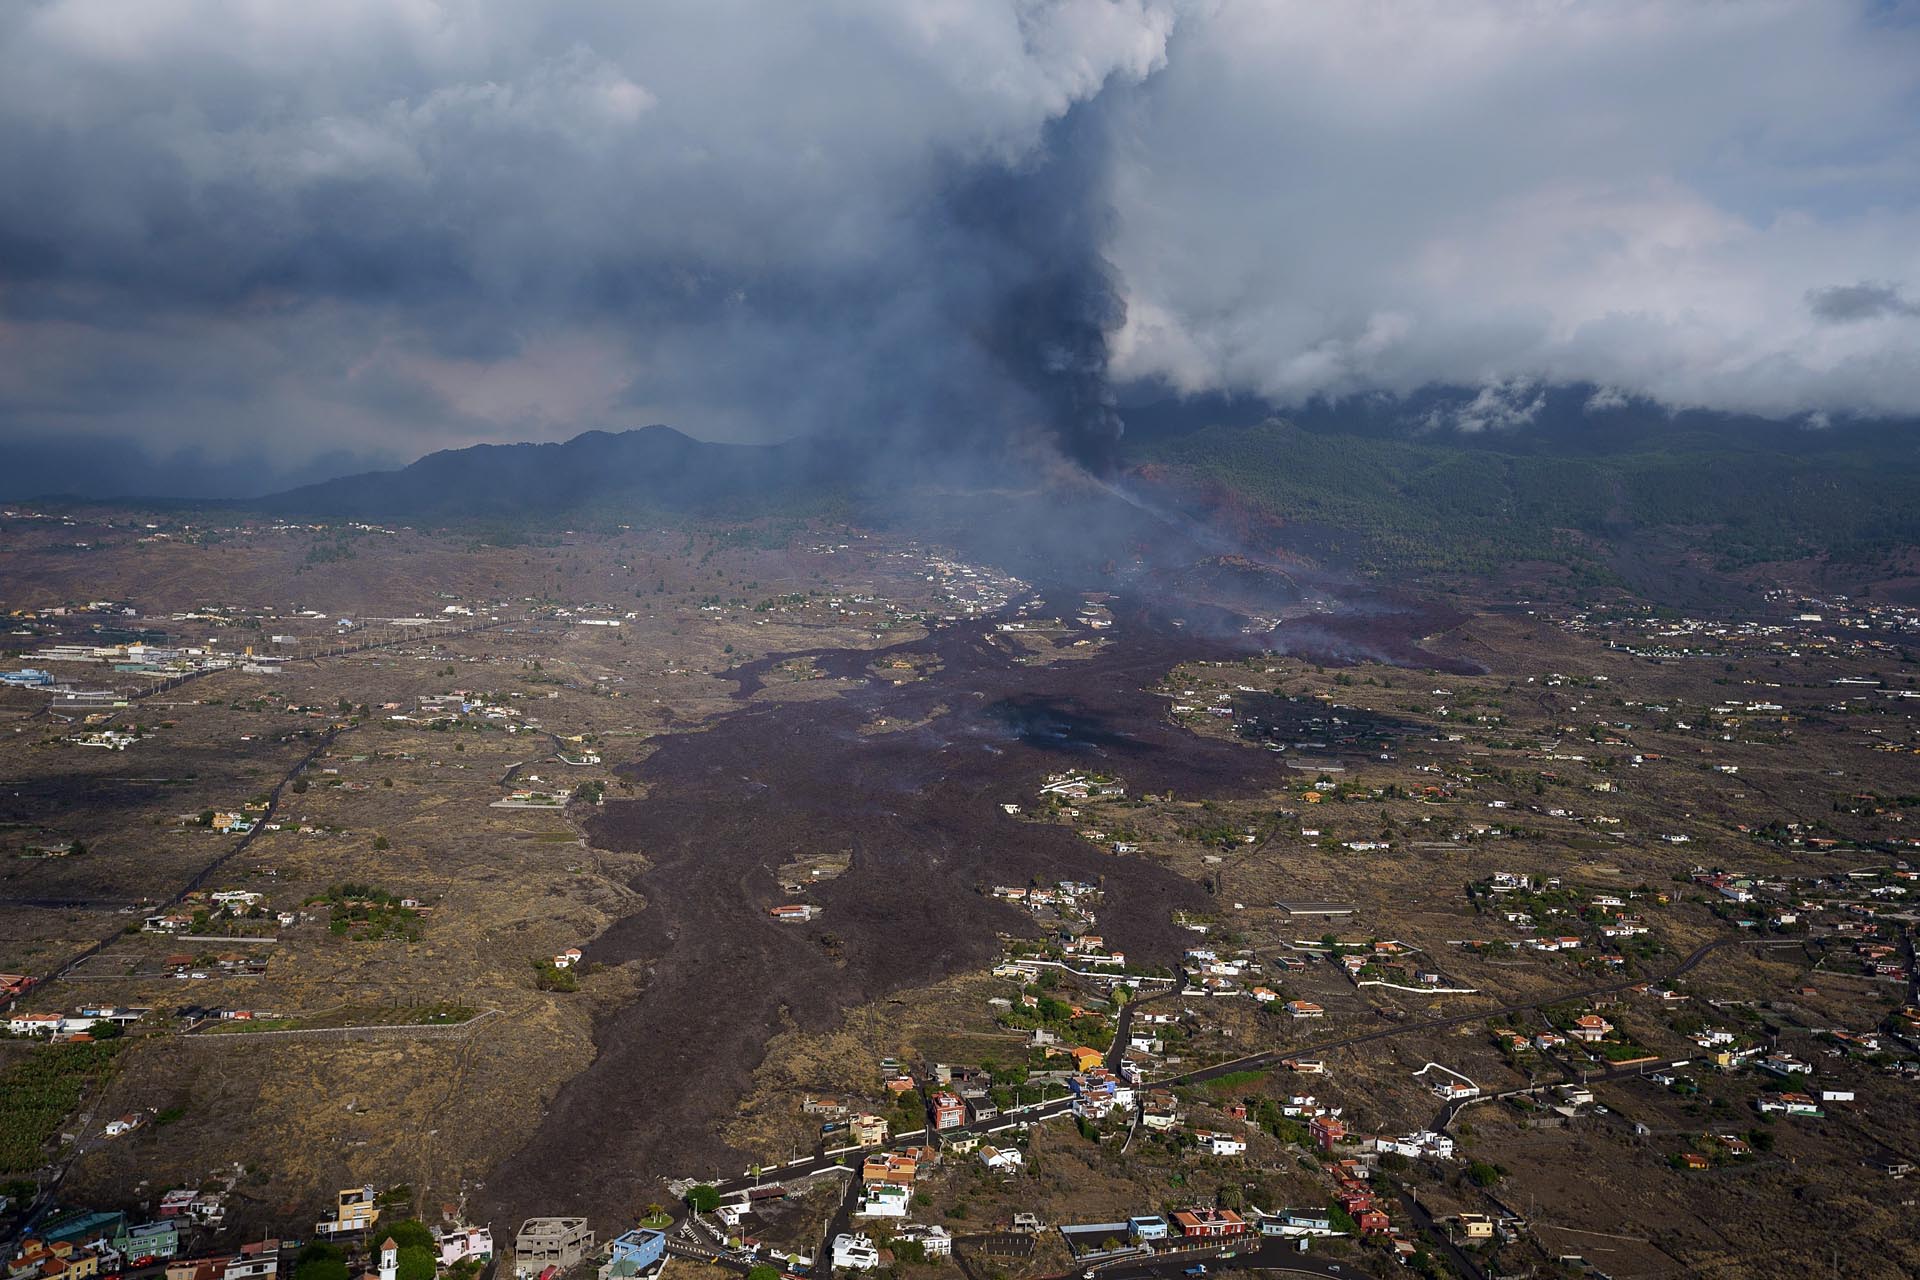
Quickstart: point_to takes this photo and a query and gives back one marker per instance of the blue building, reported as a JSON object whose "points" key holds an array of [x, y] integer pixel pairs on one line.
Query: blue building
{"points": [[27, 677], [636, 1253], [1147, 1229]]}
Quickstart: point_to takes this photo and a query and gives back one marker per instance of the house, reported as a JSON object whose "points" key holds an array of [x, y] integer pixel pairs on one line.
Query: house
{"points": [[1160, 1112], [1694, 1160], [34, 1024], [1204, 1223], [889, 1168], [1221, 1144], [948, 1112], [176, 1202], [1086, 1059], [868, 1129], [1793, 1104], [152, 1240], [1001, 1159], [883, 1200], [1590, 1028], [568, 958], [793, 912], [854, 1252], [1475, 1226], [1304, 1009], [936, 1242], [1147, 1229], [1326, 1131], [457, 1244], [355, 1212], [1372, 1222], [551, 1242], [125, 1124], [260, 1260]]}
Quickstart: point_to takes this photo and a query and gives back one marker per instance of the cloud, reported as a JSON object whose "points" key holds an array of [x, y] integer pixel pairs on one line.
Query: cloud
{"points": [[1606, 400], [1847, 303], [1619, 194], [1498, 406], [388, 226]]}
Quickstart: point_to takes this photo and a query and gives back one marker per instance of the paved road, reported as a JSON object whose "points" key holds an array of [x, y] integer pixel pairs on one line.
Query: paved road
{"points": [[1279, 1255]]}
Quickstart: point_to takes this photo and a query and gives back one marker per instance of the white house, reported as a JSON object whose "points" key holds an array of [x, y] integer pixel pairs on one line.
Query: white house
{"points": [[855, 1252], [883, 1200], [34, 1024], [935, 1240], [1003, 1159], [1222, 1144]]}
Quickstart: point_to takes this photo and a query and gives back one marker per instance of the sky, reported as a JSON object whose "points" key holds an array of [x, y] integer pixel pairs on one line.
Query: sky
{"points": [[244, 242]]}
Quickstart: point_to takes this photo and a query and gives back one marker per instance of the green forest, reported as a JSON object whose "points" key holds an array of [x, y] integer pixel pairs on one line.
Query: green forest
{"points": [[1398, 504]]}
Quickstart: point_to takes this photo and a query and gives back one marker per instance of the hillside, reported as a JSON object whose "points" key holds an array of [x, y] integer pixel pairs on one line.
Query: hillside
{"points": [[650, 469], [1440, 507]]}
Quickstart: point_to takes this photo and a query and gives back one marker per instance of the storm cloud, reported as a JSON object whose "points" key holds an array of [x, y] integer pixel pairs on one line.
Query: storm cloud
{"points": [[367, 229]]}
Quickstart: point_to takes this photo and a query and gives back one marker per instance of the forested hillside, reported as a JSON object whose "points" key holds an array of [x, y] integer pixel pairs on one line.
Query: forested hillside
{"points": [[1435, 506]]}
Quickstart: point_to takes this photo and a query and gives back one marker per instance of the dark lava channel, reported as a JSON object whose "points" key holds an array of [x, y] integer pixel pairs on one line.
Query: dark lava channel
{"points": [[920, 810]]}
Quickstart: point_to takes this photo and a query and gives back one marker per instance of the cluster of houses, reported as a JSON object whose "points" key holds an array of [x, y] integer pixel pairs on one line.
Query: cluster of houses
{"points": [[1078, 784], [886, 1181], [76, 1026], [1068, 901], [77, 1244]]}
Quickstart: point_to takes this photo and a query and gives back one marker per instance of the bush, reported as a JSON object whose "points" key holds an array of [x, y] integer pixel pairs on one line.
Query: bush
{"points": [[704, 1198]]}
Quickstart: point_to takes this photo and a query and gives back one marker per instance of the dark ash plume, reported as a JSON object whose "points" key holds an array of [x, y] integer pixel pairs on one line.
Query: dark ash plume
{"points": [[1038, 231]]}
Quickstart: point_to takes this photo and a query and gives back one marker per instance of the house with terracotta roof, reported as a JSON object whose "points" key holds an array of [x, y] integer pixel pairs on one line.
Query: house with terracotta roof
{"points": [[1590, 1028], [1205, 1223]]}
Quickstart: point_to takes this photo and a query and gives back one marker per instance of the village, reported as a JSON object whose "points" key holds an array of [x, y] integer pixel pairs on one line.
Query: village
{"points": [[1459, 932]]}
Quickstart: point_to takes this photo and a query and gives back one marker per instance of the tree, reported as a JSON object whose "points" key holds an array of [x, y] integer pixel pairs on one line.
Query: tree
{"points": [[704, 1198], [320, 1261], [416, 1263], [409, 1233]]}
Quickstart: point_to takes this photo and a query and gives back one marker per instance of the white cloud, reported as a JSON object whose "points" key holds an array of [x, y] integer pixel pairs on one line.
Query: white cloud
{"points": [[1636, 194]]}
